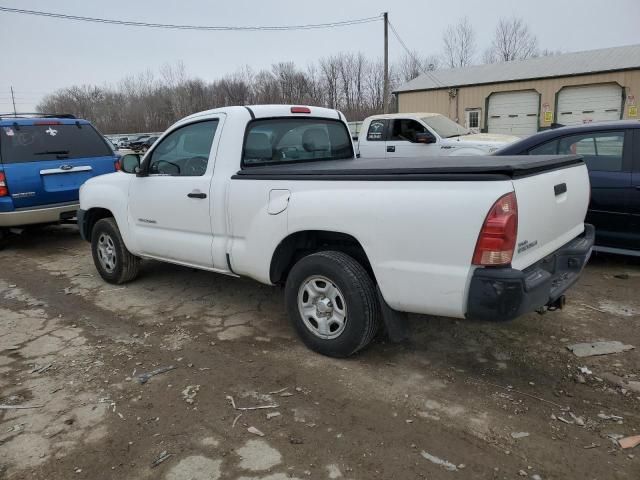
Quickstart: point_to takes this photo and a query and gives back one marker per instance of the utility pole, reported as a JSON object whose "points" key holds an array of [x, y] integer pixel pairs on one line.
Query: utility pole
{"points": [[385, 90], [13, 99]]}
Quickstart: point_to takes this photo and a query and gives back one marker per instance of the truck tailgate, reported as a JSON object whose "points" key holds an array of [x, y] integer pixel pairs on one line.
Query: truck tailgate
{"points": [[551, 209]]}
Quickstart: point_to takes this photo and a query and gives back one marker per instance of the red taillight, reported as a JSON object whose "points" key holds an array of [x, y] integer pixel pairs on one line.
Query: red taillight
{"points": [[300, 110], [117, 165], [47, 122], [4, 191], [497, 239]]}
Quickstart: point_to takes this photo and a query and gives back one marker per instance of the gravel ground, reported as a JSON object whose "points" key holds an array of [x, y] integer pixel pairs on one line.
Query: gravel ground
{"points": [[460, 400]]}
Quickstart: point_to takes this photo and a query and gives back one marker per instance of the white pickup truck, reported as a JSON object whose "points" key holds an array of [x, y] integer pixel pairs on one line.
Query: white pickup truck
{"points": [[410, 135], [275, 193]]}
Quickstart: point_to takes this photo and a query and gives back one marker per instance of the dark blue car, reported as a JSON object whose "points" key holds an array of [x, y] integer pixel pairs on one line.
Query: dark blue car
{"points": [[43, 162], [611, 151]]}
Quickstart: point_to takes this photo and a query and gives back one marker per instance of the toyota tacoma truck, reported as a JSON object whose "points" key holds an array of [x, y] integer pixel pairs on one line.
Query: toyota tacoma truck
{"points": [[275, 193], [411, 135]]}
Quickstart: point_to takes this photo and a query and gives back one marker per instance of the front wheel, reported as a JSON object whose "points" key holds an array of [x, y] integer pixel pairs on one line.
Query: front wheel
{"points": [[331, 302], [114, 262]]}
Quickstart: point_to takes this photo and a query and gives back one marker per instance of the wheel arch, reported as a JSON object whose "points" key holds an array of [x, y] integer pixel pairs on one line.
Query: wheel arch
{"points": [[90, 218], [301, 243]]}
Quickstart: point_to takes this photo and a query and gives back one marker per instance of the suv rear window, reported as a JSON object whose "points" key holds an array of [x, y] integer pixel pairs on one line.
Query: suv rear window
{"points": [[34, 143], [290, 140]]}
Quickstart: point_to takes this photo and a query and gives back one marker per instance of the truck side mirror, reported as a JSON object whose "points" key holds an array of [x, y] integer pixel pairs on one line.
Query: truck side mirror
{"points": [[425, 137], [130, 163]]}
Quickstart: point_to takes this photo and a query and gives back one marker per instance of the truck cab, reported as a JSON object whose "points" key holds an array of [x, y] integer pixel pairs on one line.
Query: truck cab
{"points": [[423, 134]]}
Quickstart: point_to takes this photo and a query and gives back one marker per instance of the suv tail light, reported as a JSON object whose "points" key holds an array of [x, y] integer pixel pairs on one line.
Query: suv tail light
{"points": [[4, 191], [497, 239], [117, 165]]}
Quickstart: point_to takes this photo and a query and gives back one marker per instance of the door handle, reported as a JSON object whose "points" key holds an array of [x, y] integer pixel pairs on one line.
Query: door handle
{"points": [[391, 149], [196, 195]]}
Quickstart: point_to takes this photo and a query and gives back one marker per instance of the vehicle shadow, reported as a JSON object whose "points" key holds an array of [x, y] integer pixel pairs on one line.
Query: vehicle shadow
{"points": [[509, 352]]}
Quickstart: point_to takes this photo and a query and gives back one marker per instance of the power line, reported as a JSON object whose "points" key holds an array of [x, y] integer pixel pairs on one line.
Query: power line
{"points": [[418, 62], [343, 23]]}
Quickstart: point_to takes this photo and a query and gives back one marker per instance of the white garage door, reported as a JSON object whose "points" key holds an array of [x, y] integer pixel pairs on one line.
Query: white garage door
{"points": [[514, 113], [591, 103]]}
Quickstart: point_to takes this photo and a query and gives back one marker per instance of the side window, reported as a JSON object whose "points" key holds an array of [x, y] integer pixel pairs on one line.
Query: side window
{"points": [[549, 148], [602, 151], [184, 152], [376, 130], [406, 129], [287, 140]]}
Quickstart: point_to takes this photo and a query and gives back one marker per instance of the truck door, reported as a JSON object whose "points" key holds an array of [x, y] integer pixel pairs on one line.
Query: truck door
{"points": [[371, 144], [409, 138], [169, 206]]}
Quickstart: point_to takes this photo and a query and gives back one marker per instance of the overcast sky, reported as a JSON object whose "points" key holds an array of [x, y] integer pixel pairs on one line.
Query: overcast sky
{"points": [[40, 54]]}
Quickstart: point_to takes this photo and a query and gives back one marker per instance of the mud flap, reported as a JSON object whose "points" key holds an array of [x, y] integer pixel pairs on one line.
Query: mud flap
{"points": [[396, 323]]}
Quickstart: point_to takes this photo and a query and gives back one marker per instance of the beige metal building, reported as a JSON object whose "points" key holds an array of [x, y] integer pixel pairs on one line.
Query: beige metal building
{"points": [[522, 97]]}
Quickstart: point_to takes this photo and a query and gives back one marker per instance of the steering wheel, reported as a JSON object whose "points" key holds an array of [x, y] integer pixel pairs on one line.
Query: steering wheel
{"points": [[195, 166], [287, 153], [156, 167]]}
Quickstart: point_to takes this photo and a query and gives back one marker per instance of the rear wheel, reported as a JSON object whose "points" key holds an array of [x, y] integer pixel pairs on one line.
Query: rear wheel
{"points": [[331, 302], [114, 262]]}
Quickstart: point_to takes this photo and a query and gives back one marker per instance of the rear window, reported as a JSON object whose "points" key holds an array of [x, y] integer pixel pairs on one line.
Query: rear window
{"points": [[33, 143], [290, 140]]}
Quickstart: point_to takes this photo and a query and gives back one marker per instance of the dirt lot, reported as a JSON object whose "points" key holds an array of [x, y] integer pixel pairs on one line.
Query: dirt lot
{"points": [[461, 400]]}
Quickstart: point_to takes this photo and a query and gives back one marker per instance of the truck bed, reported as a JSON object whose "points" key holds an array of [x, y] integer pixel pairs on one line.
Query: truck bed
{"points": [[475, 168]]}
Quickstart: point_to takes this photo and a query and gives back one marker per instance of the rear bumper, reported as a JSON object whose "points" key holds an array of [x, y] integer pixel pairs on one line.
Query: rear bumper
{"points": [[36, 215], [501, 294]]}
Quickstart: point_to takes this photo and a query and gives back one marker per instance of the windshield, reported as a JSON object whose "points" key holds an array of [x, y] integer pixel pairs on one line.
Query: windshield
{"points": [[445, 127], [33, 143]]}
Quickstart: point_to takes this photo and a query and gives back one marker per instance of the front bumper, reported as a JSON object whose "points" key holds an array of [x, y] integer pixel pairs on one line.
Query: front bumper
{"points": [[501, 294], [37, 215]]}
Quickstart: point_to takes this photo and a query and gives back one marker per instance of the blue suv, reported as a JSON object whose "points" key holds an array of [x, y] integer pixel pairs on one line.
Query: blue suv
{"points": [[44, 159]]}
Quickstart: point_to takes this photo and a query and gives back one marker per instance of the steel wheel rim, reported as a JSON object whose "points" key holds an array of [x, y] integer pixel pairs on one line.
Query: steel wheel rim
{"points": [[107, 252], [322, 307]]}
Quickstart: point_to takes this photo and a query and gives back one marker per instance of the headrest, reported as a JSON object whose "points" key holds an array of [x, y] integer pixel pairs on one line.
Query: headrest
{"points": [[258, 146], [315, 140]]}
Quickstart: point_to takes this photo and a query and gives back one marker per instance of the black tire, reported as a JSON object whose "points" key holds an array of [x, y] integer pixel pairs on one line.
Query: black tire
{"points": [[125, 264], [357, 288]]}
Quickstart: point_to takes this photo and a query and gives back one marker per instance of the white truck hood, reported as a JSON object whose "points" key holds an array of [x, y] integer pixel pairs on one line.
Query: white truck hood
{"points": [[480, 139]]}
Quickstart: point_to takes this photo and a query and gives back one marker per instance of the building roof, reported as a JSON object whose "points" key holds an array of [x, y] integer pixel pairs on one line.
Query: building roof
{"points": [[567, 64], [404, 115]]}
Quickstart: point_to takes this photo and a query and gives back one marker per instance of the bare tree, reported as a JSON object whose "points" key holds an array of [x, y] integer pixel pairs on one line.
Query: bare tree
{"points": [[547, 52], [151, 102], [330, 68], [412, 65], [512, 41], [459, 44]]}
